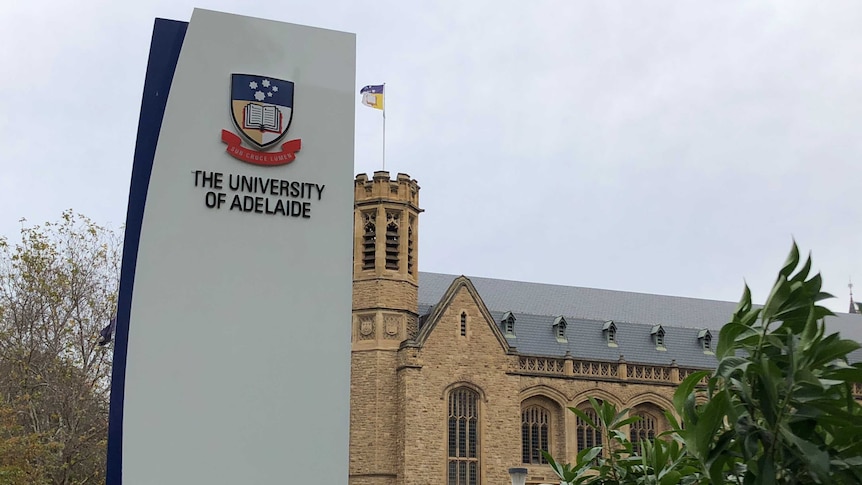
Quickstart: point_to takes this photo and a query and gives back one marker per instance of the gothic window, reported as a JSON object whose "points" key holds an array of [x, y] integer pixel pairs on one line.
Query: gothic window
{"points": [[410, 238], [369, 239], [463, 324], [392, 240], [588, 437], [463, 463], [642, 430], [535, 430]]}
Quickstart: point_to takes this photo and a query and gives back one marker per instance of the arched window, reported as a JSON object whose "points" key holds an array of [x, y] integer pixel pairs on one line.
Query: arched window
{"points": [[392, 242], [369, 239], [410, 263], [588, 437], [535, 430], [463, 324], [463, 437], [642, 430]]}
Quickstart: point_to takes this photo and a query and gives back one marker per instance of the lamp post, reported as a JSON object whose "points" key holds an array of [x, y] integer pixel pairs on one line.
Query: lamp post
{"points": [[519, 476]]}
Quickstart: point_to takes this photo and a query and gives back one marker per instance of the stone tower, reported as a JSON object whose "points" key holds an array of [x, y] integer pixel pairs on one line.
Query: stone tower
{"points": [[385, 293]]}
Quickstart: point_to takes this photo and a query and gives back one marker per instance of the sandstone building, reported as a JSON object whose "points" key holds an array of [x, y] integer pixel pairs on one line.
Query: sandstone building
{"points": [[454, 380]]}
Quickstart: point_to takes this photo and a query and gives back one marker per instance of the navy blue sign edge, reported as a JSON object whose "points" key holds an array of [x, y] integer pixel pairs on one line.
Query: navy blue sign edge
{"points": [[165, 49]]}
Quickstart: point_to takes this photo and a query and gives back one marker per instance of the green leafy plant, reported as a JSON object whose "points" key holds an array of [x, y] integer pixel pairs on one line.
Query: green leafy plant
{"points": [[780, 406], [659, 462], [778, 409]]}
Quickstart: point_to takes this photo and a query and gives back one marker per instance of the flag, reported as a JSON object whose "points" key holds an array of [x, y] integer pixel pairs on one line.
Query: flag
{"points": [[372, 96], [108, 332]]}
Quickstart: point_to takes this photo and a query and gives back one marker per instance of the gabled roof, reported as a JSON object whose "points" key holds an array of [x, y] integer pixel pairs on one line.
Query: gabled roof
{"points": [[586, 310], [429, 321]]}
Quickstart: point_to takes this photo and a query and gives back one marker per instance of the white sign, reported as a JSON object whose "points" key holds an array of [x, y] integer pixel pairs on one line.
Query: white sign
{"points": [[233, 356]]}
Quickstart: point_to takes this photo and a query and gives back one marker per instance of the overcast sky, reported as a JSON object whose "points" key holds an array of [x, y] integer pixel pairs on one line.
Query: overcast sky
{"points": [[660, 147]]}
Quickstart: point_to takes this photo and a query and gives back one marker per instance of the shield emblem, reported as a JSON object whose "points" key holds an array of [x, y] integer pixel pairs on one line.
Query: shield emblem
{"points": [[262, 108]]}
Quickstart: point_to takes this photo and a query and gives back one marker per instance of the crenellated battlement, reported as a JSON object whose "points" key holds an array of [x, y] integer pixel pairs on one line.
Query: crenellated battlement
{"points": [[385, 260], [382, 188], [385, 313]]}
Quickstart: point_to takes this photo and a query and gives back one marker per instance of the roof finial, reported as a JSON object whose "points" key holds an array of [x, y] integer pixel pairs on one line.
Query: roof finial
{"points": [[852, 303]]}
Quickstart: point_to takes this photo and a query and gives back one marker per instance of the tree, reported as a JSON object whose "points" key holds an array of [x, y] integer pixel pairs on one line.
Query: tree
{"points": [[779, 407], [58, 288], [22, 454]]}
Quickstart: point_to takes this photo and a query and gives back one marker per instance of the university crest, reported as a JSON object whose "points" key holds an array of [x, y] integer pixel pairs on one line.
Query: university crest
{"points": [[262, 109]]}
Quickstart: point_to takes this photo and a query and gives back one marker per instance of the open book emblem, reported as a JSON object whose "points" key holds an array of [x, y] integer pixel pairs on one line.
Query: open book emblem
{"points": [[262, 109]]}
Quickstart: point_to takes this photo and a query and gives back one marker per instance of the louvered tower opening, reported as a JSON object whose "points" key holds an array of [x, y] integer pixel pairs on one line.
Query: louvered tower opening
{"points": [[392, 240], [369, 240], [410, 260]]}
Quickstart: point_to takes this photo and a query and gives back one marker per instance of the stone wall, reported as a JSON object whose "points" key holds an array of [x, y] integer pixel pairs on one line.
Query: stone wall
{"points": [[479, 360]]}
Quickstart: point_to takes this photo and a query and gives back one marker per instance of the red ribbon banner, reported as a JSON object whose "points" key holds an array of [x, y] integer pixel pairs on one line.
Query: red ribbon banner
{"points": [[285, 156]]}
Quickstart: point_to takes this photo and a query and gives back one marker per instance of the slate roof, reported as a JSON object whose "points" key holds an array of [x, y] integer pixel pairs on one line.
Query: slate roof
{"points": [[536, 306]]}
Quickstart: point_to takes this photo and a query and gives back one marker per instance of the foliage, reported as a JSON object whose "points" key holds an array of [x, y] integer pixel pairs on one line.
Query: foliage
{"points": [[778, 408], [659, 462], [58, 288], [22, 454]]}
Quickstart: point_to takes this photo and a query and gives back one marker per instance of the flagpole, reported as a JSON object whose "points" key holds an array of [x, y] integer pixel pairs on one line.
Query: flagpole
{"points": [[384, 127]]}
